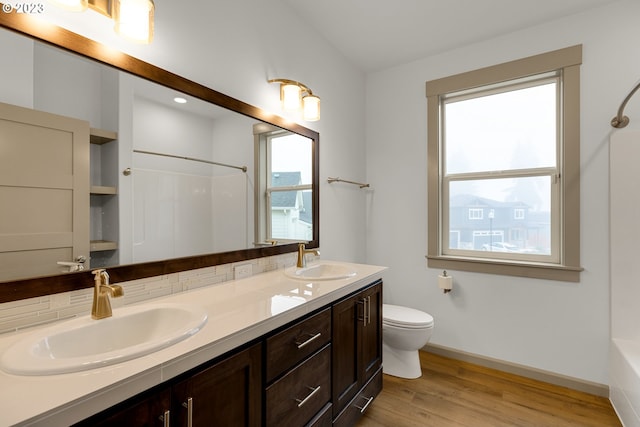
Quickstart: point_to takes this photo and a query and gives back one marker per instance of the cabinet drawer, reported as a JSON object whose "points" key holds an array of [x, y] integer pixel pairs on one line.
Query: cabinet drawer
{"points": [[322, 418], [360, 403], [287, 348], [295, 398]]}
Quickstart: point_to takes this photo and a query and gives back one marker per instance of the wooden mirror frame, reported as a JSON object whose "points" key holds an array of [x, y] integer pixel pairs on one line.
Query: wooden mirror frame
{"points": [[69, 41]]}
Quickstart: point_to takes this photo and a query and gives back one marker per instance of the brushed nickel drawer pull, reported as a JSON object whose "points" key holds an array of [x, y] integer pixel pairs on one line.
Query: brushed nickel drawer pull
{"points": [[166, 422], [313, 337], [313, 391], [189, 405], [364, 408]]}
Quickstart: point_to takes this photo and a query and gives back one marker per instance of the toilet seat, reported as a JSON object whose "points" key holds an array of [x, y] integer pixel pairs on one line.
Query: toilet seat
{"points": [[405, 317]]}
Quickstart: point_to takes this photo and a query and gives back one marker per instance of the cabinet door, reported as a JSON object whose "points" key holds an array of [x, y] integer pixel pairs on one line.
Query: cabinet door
{"points": [[226, 394], [147, 411], [357, 343], [345, 316], [371, 329]]}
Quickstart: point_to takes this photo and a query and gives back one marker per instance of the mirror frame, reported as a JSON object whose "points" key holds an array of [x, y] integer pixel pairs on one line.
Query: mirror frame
{"points": [[71, 42]]}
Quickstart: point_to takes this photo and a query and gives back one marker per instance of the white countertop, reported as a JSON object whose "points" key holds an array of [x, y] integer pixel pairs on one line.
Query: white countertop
{"points": [[239, 311]]}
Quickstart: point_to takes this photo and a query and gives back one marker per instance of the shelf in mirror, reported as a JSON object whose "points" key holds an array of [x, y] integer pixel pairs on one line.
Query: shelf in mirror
{"points": [[101, 136], [102, 217]]}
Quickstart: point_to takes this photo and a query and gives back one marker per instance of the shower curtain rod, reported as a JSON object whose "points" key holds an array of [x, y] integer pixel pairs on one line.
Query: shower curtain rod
{"points": [[242, 168], [621, 120]]}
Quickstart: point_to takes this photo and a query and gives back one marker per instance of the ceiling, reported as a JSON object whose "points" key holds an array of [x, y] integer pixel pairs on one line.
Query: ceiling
{"points": [[378, 34]]}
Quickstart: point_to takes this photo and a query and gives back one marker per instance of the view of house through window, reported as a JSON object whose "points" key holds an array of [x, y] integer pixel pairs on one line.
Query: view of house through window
{"points": [[503, 168], [500, 161]]}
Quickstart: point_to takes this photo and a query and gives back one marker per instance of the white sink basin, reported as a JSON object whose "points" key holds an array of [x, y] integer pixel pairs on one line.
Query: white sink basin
{"points": [[321, 271], [83, 343]]}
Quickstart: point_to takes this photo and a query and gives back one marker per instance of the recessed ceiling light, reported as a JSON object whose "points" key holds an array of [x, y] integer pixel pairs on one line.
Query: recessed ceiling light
{"points": [[180, 100]]}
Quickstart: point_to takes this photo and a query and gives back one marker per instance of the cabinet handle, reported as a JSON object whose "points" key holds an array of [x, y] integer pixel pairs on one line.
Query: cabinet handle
{"points": [[369, 310], [364, 311], [313, 337], [303, 401], [165, 419], [189, 405], [366, 405]]}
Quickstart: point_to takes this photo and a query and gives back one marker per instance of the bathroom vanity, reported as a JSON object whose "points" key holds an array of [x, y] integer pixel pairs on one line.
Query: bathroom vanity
{"points": [[275, 351]]}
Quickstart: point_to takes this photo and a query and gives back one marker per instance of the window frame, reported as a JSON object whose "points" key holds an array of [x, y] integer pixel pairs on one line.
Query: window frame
{"points": [[567, 63], [474, 211], [263, 134]]}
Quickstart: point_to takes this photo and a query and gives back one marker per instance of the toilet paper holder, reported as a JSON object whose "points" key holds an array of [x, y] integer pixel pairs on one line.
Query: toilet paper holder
{"points": [[445, 282]]}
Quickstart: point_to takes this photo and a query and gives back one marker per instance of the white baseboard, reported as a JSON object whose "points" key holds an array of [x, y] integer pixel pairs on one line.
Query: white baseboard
{"points": [[524, 371]]}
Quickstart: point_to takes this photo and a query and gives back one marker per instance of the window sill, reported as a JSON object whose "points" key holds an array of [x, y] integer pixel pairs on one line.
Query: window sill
{"points": [[562, 273]]}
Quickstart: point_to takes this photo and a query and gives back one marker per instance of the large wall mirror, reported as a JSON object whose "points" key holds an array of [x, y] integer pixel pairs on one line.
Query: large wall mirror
{"points": [[173, 186]]}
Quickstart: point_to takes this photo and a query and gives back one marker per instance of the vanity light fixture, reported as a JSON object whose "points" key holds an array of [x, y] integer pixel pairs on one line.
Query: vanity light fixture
{"points": [[133, 19], [296, 96]]}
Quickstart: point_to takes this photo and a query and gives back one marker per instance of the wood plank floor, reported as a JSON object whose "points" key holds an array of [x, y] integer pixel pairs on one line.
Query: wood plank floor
{"points": [[452, 393]]}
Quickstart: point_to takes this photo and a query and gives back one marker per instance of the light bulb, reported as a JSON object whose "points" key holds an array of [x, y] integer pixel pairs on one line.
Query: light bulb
{"points": [[134, 19], [311, 108], [290, 95]]}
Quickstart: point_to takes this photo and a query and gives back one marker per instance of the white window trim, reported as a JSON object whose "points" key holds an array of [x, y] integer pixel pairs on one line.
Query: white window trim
{"points": [[263, 134], [474, 211], [567, 268]]}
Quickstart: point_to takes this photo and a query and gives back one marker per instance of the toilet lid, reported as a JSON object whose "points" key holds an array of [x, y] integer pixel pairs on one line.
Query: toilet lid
{"points": [[405, 316]]}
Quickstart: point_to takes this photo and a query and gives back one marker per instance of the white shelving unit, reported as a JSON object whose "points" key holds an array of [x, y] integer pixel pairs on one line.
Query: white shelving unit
{"points": [[104, 226]]}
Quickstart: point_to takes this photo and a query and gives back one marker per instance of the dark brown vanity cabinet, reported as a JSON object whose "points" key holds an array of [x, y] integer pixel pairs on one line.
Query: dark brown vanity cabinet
{"points": [[298, 372], [357, 353], [147, 410], [227, 393], [321, 370]]}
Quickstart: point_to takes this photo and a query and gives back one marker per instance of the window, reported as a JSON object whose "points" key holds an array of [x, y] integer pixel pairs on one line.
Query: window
{"points": [[503, 145], [285, 186], [475, 213]]}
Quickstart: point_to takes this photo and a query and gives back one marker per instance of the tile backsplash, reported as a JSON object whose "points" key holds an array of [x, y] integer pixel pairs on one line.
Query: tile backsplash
{"points": [[22, 314]]}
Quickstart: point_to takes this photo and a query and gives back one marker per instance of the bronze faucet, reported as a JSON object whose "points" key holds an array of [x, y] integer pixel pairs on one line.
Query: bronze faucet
{"points": [[101, 307], [302, 260]]}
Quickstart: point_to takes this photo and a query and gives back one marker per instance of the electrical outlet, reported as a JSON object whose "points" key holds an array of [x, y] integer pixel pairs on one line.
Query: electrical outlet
{"points": [[242, 271]]}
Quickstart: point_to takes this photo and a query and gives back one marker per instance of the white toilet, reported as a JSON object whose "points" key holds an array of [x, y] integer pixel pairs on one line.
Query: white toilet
{"points": [[404, 331]]}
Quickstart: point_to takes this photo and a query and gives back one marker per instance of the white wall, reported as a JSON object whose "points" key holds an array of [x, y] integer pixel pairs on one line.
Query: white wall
{"points": [[16, 63], [554, 326]]}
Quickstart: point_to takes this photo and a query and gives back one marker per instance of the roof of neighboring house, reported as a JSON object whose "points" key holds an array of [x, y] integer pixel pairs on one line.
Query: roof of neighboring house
{"points": [[284, 199], [306, 212], [466, 200]]}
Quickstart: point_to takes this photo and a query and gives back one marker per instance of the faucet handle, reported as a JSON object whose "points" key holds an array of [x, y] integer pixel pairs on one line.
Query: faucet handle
{"points": [[101, 275]]}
